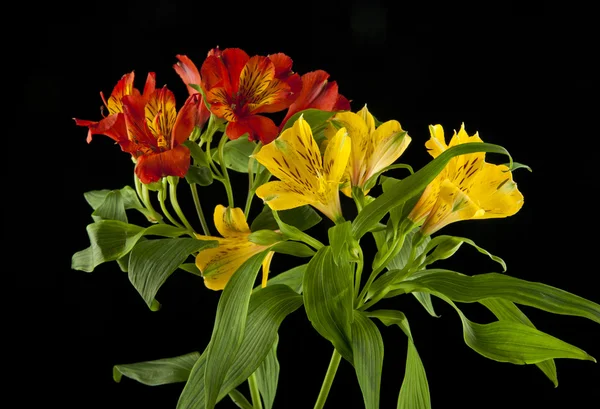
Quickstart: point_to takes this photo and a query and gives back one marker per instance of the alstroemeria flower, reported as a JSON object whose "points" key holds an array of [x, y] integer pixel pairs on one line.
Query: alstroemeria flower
{"points": [[188, 72], [317, 93], [149, 128], [218, 264], [238, 88], [373, 148], [467, 188], [113, 125], [305, 178]]}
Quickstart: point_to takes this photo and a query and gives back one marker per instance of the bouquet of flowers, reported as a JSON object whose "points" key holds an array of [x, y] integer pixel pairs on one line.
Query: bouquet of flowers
{"points": [[321, 158]]}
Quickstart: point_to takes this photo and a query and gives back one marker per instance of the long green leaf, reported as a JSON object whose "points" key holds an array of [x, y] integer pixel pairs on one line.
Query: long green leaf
{"points": [[106, 208], [158, 372], [113, 239], [314, 117], [414, 184], [303, 218], [152, 261], [343, 245], [230, 324], [414, 393], [463, 288], [292, 278], [267, 309], [510, 341], [446, 246], [236, 154], [267, 376], [328, 299], [367, 350], [506, 310]]}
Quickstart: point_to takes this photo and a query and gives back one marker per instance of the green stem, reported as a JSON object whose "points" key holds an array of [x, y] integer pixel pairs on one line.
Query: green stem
{"points": [[148, 203], [226, 182], [175, 204], [254, 393], [326, 386], [239, 399], [251, 189], [199, 209], [138, 187], [161, 198], [296, 234]]}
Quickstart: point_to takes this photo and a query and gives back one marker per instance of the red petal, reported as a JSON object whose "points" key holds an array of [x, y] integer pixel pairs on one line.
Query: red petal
{"points": [[342, 104], [257, 127], [187, 118], [174, 162], [124, 87], [150, 85], [188, 72], [235, 59], [214, 74], [112, 126], [283, 65], [135, 121]]}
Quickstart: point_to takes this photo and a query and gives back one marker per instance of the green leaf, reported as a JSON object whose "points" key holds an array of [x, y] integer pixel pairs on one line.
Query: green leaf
{"points": [[510, 341], [506, 310], [303, 218], [197, 153], [328, 299], [112, 208], [111, 204], [414, 393], [373, 179], [344, 247], [316, 118], [153, 261], [292, 278], [200, 175], [293, 248], [236, 154], [229, 327], [267, 308], [158, 372], [413, 185], [191, 268], [446, 246], [239, 399], [517, 165], [113, 239], [265, 237], [463, 288], [367, 350], [425, 300], [267, 376]]}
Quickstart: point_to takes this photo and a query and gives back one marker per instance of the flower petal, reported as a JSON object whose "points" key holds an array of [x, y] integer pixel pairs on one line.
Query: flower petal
{"points": [[266, 265], [282, 196], [112, 126], [187, 119], [336, 156], [256, 126], [160, 113], [452, 205], [230, 222], [123, 87], [362, 148], [495, 192], [153, 166], [389, 143], [217, 265], [188, 72], [437, 143]]}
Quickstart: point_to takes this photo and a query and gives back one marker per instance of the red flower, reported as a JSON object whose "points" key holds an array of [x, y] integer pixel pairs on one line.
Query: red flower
{"points": [[189, 74], [317, 93], [239, 87], [147, 126]]}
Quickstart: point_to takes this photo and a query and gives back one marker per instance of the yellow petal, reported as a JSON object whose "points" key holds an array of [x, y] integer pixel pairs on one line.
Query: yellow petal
{"points": [[367, 118], [452, 205], [495, 192], [428, 198], [436, 144], [217, 265], [362, 147], [230, 222], [282, 196], [389, 143], [336, 156], [266, 265]]}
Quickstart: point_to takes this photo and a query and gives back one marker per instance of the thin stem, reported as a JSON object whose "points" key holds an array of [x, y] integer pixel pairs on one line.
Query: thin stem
{"points": [[239, 399], [226, 182], [148, 203], [254, 393], [138, 187], [331, 370], [196, 198], [175, 204], [251, 179], [161, 198]]}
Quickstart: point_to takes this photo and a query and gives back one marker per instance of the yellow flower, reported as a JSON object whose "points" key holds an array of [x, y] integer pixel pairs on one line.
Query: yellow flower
{"points": [[217, 265], [373, 148], [305, 178], [467, 188]]}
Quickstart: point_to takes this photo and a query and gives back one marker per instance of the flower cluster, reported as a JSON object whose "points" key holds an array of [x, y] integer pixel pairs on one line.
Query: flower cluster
{"points": [[321, 154]]}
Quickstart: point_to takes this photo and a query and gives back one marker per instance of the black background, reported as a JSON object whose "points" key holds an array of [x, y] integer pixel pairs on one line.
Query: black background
{"points": [[515, 74]]}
